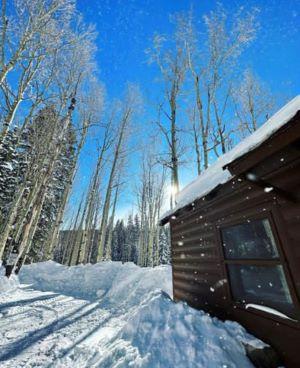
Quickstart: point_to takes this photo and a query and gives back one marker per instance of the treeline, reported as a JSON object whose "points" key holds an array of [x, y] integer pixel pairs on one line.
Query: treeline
{"points": [[125, 245]]}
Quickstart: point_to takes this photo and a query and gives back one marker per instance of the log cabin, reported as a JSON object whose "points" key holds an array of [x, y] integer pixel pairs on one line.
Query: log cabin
{"points": [[235, 235]]}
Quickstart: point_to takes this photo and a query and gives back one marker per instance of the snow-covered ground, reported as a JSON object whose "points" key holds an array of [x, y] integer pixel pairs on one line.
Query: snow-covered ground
{"points": [[109, 315]]}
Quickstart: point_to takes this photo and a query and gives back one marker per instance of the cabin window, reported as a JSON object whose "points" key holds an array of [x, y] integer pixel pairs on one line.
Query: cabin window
{"points": [[260, 285], [250, 240], [255, 271]]}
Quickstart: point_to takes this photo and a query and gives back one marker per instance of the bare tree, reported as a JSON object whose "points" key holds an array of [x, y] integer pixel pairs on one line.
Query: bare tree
{"points": [[150, 197], [90, 109], [128, 107], [75, 64], [226, 42], [34, 34], [195, 132], [253, 103], [172, 65], [212, 59], [118, 184], [188, 37], [85, 229]]}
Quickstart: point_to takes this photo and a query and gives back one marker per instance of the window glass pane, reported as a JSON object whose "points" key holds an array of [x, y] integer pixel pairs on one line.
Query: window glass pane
{"points": [[261, 285], [252, 239]]}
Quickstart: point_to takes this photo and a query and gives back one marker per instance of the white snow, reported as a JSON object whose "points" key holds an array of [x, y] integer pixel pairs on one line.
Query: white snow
{"points": [[110, 315], [7, 285], [7, 165], [216, 175], [268, 310]]}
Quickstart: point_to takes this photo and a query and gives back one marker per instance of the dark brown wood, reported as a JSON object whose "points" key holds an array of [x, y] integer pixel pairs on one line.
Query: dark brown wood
{"points": [[200, 274]]}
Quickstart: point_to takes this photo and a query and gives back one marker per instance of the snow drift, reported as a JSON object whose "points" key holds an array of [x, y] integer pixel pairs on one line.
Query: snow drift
{"points": [[115, 283], [126, 318], [7, 285]]}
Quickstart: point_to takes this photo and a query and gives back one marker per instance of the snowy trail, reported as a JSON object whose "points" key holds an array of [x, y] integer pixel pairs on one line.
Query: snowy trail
{"points": [[67, 329], [54, 323], [110, 315]]}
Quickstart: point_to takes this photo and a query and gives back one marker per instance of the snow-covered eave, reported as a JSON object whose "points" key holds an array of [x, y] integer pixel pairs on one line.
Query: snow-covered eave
{"points": [[218, 174]]}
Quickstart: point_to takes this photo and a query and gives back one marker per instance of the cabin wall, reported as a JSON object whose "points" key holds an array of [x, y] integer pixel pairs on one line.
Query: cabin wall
{"points": [[199, 271]]}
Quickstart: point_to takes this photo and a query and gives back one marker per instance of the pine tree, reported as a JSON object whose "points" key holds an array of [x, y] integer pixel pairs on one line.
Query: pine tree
{"points": [[164, 246], [13, 163], [119, 236], [130, 239]]}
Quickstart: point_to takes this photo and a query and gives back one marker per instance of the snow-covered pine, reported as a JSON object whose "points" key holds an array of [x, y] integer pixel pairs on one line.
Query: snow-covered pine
{"points": [[164, 245], [118, 241], [13, 163], [131, 239]]}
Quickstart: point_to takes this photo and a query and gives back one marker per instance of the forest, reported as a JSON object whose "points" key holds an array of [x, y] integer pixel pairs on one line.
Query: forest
{"points": [[53, 105]]}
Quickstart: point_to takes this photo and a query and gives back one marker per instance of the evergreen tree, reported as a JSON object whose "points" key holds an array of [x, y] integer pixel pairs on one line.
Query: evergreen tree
{"points": [[164, 246], [118, 241], [136, 233], [13, 162], [130, 240]]}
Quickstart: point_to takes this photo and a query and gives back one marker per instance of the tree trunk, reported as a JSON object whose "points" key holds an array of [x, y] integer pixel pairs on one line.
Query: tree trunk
{"points": [[105, 213], [111, 226]]}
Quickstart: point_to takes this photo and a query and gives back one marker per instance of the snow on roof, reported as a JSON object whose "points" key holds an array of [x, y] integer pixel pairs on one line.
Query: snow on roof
{"points": [[216, 174]]}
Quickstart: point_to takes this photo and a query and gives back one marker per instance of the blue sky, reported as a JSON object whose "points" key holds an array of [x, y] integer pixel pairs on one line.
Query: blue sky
{"points": [[125, 28]]}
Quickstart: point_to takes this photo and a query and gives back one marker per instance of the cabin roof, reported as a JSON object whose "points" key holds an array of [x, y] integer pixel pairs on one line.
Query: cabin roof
{"points": [[219, 172]]}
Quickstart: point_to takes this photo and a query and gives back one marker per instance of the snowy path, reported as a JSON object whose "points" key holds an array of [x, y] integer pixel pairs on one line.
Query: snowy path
{"points": [[46, 327], [51, 330], [110, 315]]}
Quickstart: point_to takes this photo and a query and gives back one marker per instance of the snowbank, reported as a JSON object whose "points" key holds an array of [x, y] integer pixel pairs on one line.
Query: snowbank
{"points": [[118, 283], [125, 318], [216, 174], [7, 285], [168, 334]]}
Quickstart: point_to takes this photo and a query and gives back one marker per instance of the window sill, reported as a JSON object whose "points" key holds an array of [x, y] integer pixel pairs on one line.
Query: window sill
{"points": [[263, 312]]}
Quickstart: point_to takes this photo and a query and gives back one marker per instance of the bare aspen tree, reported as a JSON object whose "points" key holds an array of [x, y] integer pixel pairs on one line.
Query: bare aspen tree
{"points": [[70, 249], [212, 58], [26, 208], [187, 36], [128, 108], [195, 131], [87, 220], [90, 108], [150, 196], [253, 103], [74, 62], [172, 65], [225, 44], [108, 249], [36, 30], [86, 226]]}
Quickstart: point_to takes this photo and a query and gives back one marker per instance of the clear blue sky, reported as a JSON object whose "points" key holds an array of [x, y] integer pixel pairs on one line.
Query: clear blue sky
{"points": [[125, 28]]}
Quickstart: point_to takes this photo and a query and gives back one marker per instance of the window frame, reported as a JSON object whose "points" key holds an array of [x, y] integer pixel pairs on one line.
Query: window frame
{"points": [[239, 219]]}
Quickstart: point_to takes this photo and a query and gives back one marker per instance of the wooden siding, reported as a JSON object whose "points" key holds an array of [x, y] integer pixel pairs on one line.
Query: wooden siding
{"points": [[199, 272]]}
